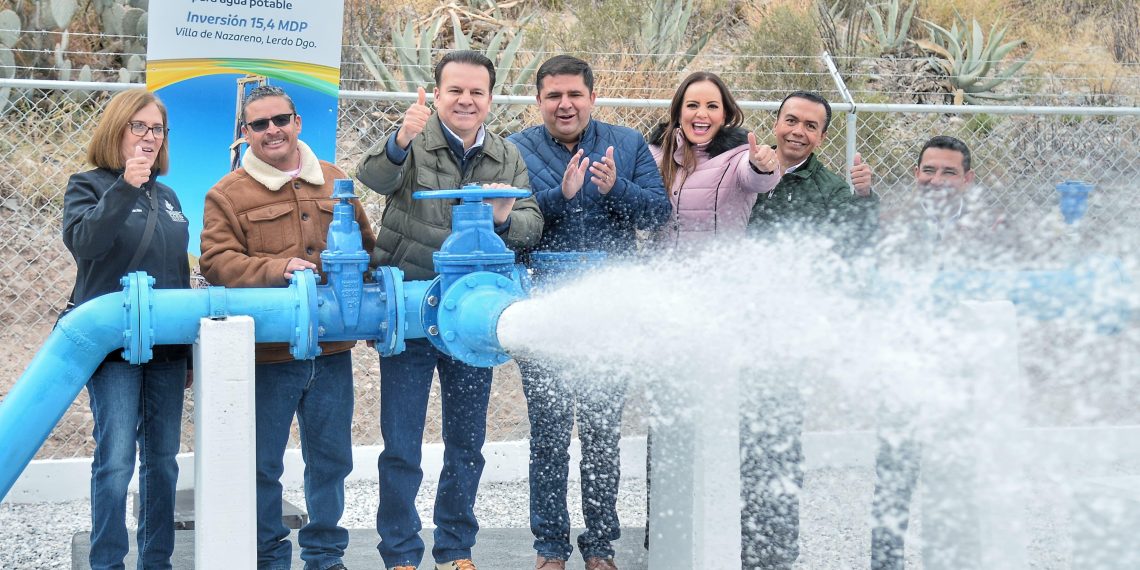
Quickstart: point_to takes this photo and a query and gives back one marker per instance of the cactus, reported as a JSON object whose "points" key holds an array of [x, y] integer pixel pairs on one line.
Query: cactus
{"points": [[968, 60], [7, 71], [136, 65], [9, 28], [62, 64], [61, 12], [112, 18], [891, 30], [131, 18], [123, 24]]}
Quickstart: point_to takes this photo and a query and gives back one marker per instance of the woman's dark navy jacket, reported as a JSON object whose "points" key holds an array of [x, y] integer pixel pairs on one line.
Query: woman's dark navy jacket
{"points": [[590, 221], [103, 220]]}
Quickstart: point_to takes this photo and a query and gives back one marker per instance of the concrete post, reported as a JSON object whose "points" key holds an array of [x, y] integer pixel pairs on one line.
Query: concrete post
{"points": [[224, 468], [695, 475], [973, 465]]}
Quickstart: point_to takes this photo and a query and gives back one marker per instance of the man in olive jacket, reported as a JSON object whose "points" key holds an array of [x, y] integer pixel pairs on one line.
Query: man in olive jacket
{"points": [[432, 151], [814, 200]]}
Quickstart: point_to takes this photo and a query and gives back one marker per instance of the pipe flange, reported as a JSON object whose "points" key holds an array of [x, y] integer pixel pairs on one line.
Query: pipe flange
{"points": [[138, 335], [303, 345], [429, 315], [468, 317], [391, 334]]}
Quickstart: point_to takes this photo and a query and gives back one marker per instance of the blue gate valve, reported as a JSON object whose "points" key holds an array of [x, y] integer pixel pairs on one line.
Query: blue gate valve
{"points": [[478, 278]]}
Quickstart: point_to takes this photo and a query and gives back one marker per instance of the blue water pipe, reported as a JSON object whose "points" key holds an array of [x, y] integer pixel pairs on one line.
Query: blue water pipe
{"points": [[458, 311], [1073, 196], [1096, 290]]}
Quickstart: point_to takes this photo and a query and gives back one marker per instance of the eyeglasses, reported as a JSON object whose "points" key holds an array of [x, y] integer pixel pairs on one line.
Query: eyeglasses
{"points": [[279, 121], [139, 129]]}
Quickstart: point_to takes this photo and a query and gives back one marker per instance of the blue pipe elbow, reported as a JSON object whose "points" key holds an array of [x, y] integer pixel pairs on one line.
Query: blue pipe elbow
{"points": [[71, 354], [133, 321]]}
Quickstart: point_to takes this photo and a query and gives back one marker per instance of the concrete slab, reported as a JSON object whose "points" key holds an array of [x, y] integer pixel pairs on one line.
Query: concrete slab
{"points": [[293, 517], [497, 549]]}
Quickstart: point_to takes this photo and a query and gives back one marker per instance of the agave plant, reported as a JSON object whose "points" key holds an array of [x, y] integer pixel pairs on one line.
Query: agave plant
{"points": [[663, 32], [969, 60], [891, 29], [414, 55]]}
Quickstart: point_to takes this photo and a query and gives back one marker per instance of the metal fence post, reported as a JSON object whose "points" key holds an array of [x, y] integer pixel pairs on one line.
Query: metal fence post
{"points": [[852, 131]]}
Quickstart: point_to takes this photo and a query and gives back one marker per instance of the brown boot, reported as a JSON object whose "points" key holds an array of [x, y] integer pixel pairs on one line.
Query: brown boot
{"points": [[543, 563], [599, 563]]}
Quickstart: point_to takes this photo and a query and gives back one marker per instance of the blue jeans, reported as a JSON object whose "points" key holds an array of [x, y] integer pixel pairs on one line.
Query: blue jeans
{"points": [[405, 382], [551, 399], [135, 404], [320, 393]]}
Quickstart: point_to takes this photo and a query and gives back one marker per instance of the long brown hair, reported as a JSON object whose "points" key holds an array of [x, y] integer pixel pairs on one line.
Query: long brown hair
{"points": [[106, 147], [665, 135]]}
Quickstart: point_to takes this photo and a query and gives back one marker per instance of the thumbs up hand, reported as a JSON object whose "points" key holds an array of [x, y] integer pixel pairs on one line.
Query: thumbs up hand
{"points": [[762, 157], [861, 176], [415, 119], [136, 170]]}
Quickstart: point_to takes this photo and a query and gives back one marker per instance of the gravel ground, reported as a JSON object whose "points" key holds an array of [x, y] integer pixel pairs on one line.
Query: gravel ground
{"points": [[835, 533], [38, 536]]}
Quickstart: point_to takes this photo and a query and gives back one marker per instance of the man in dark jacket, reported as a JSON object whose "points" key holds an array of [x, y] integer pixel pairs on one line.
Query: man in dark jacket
{"points": [[943, 213], [809, 199], [435, 151], [597, 184]]}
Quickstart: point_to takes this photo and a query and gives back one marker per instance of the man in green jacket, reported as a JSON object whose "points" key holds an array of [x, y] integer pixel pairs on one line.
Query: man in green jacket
{"points": [[433, 151], [809, 199]]}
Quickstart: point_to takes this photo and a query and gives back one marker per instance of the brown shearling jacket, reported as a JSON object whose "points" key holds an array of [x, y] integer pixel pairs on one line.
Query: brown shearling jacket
{"points": [[250, 231]]}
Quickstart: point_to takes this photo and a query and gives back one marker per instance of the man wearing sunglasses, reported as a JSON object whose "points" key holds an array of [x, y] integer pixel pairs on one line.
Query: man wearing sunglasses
{"points": [[435, 151], [263, 222]]}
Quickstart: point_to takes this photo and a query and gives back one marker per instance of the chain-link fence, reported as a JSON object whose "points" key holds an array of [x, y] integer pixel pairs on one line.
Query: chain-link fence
{"points": [[1019, 154]]}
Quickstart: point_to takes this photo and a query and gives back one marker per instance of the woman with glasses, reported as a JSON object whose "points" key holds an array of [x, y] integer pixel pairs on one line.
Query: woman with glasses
{"points": [[118, 219]]}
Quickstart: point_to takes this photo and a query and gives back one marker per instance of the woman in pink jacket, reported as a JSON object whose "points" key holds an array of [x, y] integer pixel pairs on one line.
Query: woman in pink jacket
{"points": [[713, 169]]}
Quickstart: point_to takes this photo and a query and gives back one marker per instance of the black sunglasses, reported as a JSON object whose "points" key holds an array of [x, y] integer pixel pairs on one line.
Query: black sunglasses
{"points": [[279, 121]]}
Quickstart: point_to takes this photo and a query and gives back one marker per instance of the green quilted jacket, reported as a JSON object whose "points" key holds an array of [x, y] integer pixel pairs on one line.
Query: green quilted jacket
{"points": [[814, 200]]}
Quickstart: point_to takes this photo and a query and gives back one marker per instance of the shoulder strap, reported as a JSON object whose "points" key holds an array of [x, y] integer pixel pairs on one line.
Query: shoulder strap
{"points": [[148, 232]]}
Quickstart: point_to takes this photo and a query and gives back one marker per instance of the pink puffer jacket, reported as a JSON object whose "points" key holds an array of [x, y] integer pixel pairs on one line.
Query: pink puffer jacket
{"points": [[715, 200]]}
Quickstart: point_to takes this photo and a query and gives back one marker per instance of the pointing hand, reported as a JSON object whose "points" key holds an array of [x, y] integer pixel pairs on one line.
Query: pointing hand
{"points": [[762, 157]]}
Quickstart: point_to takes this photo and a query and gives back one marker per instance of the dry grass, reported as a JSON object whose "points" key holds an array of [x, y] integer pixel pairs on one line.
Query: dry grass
{"points": [[987, 12]]}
